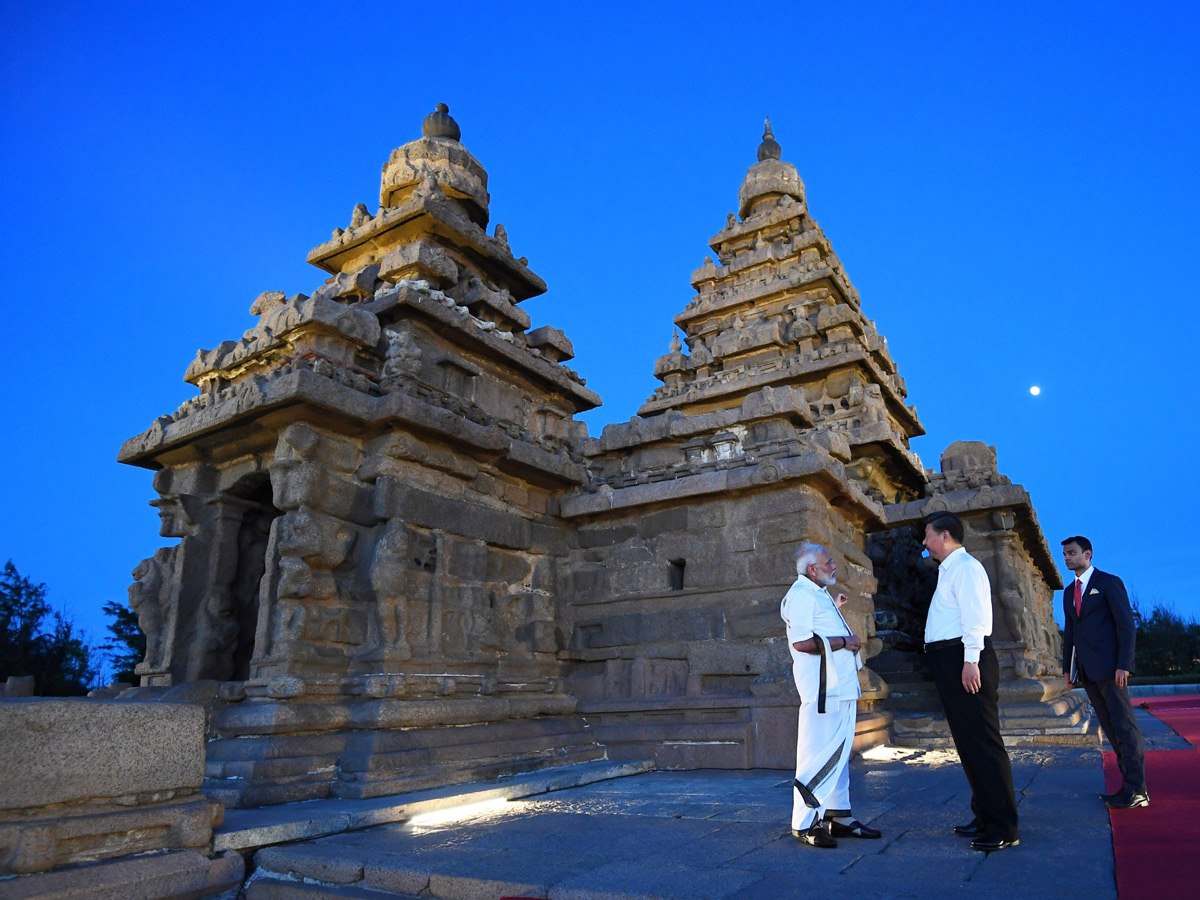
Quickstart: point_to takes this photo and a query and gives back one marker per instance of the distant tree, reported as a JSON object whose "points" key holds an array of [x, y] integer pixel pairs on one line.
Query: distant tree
{"points": [[36, 640], [67, 668], [23, 607], [1167, 644], [126, 646]]}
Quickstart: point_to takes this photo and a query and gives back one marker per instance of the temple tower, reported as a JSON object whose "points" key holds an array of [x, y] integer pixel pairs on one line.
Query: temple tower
{"points": [[785, 421], [777, 310], [364, 491]]}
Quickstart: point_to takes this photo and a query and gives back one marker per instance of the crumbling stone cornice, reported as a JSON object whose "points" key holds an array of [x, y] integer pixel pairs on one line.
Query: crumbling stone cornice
{"points": [[816, 465], [301, 386]]}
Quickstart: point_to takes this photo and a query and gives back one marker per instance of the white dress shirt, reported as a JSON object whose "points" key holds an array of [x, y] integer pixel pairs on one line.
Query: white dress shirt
{"points": [[1083, 577], [807, 609], [961, 605]]}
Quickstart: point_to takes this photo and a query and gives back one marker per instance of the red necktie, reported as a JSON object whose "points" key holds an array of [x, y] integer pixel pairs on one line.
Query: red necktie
{"points": [[1078, 596]]}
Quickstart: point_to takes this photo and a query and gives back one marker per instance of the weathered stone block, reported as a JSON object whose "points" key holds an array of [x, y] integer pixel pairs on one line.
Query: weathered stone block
{"points": [[606, 536], [773, 566], [322, 541], [548, 538], [332, 870], [467, 559], [418, 507], [584, 582], [90, 831], [184, 875], [58, 751], [302, 441], [311, 484], [628, 577], [705, 516], [658, 677], [720, 570], [397, 448], [666, 521], [634, 629], [774, 737], [505, 566], [721, 657], [420, 260]]}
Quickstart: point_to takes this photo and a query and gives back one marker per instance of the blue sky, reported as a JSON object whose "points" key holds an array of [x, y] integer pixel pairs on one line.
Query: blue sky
{"points": [[1013, 189]]}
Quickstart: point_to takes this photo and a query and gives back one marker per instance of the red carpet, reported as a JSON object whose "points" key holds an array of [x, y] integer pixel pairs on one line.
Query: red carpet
{"points": [[1155, 847]]}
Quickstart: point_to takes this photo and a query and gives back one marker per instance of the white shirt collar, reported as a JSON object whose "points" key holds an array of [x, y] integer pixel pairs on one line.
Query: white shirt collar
{"points": [[812, 585], [1085, 575], [954, 555]]}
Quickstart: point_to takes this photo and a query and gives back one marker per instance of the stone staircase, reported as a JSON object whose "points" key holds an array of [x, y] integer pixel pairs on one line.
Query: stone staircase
{"points": [[1065, 720], [910, 686], [1062, 720]]}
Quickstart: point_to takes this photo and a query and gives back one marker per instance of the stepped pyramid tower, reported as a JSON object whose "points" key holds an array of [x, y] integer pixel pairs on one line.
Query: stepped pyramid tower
{"points": [[785, 421], [778, 312], [364, 490], [402, 562]]}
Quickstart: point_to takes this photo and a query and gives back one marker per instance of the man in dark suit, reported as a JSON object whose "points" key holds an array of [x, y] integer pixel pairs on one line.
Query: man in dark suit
{"points": [[1098, 652]]}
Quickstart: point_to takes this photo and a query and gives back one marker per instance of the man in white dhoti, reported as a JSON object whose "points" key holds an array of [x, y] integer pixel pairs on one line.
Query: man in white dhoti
{"points": [[825, 665]]}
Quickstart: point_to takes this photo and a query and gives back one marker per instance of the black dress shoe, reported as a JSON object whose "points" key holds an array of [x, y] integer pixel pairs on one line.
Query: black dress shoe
{"points": [[972, 829], [991, 845], [854, 829], [1129, 801], [1113, 796], [816, 837]]}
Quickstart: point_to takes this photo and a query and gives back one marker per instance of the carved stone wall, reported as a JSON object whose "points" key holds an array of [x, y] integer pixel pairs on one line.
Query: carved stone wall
{"points": [[675, 629]]}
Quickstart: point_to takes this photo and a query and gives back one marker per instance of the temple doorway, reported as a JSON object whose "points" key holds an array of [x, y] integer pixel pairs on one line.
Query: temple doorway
{"points": [[253, 539]]}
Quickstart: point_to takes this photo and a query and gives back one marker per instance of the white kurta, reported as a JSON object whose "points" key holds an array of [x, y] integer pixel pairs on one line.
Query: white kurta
{"points": [[823, 739]]}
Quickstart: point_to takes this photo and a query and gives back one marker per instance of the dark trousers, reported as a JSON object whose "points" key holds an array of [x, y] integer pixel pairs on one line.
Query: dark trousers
{"points": [[974, 721], [1117, 718]]}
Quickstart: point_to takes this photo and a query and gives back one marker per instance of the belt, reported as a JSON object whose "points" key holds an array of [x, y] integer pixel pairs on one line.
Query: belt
{"points": [[951, 642]]}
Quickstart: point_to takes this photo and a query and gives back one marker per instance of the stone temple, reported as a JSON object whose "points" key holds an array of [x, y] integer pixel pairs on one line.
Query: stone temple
{"points": [[402, 561]]}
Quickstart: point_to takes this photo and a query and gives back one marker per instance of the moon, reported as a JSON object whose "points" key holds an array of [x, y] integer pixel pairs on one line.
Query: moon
{"points": [[1035, 390]]}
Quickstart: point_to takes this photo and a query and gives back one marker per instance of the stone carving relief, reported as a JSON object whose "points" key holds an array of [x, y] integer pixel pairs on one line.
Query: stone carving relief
{"points": [[149, 598], [388, 629], [403, 360]]}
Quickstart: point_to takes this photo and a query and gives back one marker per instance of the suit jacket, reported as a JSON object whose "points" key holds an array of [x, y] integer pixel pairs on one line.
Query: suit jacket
{"points": [[1102, 634]]}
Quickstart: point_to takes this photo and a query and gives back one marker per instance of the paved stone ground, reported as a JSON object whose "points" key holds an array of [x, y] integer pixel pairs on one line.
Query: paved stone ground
{"points": [[724, 835]]}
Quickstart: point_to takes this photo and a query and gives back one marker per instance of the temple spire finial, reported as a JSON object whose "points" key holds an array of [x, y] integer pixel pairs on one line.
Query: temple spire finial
{"points": [[768, 149], [440, 124]]}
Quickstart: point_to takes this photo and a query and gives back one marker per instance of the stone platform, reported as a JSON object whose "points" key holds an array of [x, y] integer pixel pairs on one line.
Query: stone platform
{"points": [[723, 835]]}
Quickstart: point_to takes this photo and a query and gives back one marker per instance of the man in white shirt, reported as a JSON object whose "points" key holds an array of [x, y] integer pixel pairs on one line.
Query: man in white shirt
{"points": [[967, 674], [825, 667]]}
